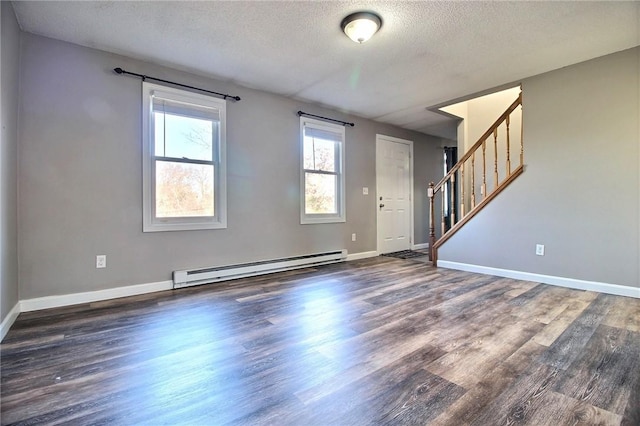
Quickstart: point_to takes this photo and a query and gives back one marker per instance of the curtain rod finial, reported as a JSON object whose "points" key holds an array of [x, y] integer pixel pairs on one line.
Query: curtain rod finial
{"points": [[118, 70]]}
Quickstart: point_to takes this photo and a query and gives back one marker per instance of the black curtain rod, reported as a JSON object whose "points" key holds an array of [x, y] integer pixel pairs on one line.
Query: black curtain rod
{"points": [[344, 123], [146, 77]]}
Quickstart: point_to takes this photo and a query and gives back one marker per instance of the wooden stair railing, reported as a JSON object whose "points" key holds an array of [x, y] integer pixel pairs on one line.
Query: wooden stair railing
{"points": [[454, 180]]}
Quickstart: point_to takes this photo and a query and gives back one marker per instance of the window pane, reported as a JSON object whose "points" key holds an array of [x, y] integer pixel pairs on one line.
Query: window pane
{"points": [[183, 137], [319, 154], [308, 154], [184, 189], [320, 194]]}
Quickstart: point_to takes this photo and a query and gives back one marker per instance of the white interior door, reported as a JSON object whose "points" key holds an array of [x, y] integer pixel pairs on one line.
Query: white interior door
{"points": [[394, 178]]}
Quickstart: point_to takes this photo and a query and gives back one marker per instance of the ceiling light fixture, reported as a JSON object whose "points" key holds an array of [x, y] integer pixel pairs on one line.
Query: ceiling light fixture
{"points": [[360, 26]]}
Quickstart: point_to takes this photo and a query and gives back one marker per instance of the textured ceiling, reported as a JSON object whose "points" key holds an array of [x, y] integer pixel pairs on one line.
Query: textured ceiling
{"points": [[426, 54]]}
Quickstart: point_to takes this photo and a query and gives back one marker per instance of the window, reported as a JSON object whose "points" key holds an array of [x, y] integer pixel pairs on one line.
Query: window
{"points": [[184, 167], [322, 175]]}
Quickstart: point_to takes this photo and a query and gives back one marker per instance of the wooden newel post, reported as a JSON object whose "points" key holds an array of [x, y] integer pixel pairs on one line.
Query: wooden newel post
{"points": [[432, 226]]}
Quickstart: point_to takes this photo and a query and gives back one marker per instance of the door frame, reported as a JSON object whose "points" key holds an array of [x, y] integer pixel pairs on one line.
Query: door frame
{"points": [[379, 137]]}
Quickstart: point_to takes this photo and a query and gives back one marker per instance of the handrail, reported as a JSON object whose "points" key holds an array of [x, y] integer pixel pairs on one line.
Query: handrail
{"points": [[458, 217], [517, 172], [483, 138]]}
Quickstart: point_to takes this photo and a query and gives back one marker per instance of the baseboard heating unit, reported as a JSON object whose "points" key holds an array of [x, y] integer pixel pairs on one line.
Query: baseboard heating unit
{"points": [[230, 272]]}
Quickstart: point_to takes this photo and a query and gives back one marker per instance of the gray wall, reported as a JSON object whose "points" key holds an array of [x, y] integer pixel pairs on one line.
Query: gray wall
{"points": [[579, 192], [428, 167], [80, 177], [8, 159]]}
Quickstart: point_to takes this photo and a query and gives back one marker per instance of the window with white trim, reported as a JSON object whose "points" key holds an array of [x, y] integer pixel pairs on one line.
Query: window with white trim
{"points": [[322, 174], [184, 161]]}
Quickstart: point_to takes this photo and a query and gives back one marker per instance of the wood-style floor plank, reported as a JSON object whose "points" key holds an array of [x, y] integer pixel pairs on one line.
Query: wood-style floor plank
{"points": [[566, 348], [604, 374], [559, 324], [521, 402], [467, 365], [475, 401], [561, 409], [410, 390], [624, 314], [378, 341]]}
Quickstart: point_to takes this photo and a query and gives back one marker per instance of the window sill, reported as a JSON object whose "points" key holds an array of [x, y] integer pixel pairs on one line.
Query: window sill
{"points": [[192, 226], [317, 220]]}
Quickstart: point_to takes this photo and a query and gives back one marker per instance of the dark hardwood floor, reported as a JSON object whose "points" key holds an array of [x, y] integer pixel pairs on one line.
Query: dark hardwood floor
{"points": [[376, 341]]}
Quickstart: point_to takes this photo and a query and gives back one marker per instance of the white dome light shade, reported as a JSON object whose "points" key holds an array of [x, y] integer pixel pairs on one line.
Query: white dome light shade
{"points": [[360, 26]]}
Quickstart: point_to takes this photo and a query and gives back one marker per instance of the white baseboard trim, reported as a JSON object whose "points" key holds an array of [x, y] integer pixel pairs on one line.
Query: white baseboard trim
{"points": [[420, 246], [362, 255], [619, 290], [92, 296], [48, 302], [8, 321]]}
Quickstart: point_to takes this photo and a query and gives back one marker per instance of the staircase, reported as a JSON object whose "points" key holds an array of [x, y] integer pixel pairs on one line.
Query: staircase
{"points": [[466, 188]]}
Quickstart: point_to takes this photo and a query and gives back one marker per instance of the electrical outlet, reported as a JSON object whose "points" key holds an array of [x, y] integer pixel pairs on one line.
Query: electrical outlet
{"points": [[365, 191], [540, 249], [101, 261], [353, 237]]}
